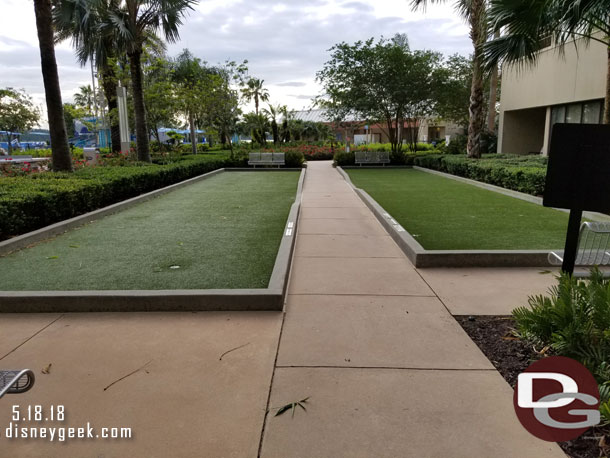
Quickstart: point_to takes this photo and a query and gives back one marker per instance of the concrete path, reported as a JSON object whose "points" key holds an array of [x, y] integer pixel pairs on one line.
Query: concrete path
{"points": [[388, 371]]}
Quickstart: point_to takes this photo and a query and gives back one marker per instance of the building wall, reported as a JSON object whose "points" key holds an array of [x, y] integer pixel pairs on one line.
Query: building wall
{"points": [[576, 76]]}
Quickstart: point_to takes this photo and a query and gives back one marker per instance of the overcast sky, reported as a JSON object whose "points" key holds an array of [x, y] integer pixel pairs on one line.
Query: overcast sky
{"points": [[285, 42]]}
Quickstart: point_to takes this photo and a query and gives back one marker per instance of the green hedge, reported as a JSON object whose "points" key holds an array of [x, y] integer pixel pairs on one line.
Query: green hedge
{"points": [[524, 174], [31, 202]]}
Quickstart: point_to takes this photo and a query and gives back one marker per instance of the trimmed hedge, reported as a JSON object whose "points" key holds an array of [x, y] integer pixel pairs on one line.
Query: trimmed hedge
{"points": [[31, 202], [524, 174]]}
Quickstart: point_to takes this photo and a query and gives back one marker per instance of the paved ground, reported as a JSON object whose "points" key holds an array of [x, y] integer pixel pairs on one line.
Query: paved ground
{"points": [[369, 339]]}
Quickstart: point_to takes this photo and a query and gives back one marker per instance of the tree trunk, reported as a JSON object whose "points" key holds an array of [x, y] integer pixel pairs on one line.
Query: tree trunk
{"points": [[493, 96], [10, 146], [193, 134], [607, 102], [109, 84], [60, 149], [139, 108], [275, 131], [476, 109]]}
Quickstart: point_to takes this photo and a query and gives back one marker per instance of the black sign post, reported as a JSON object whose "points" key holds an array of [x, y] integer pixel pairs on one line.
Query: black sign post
{"points": [[578, 177]]}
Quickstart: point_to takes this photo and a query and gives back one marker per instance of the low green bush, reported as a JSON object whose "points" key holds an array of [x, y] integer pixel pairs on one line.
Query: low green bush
{"points": [[31, 202], [573, 321], [343, 158], [294, 159], [524, 174]]}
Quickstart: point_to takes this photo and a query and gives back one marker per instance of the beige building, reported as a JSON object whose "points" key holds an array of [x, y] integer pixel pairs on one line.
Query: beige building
{"points": [[559, 88]]}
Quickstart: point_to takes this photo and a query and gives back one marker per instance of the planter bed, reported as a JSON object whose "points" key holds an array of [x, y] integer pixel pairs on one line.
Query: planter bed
{"points": [[511, 356]]}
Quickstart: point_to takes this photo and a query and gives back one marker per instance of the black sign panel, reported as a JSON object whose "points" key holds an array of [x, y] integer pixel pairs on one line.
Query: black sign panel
{"points": [[578, 175]]}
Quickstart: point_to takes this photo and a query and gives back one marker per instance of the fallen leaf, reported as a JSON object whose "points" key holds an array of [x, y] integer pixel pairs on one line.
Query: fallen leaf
{"points": [[292, 406], [47, 370], [52, 257]]}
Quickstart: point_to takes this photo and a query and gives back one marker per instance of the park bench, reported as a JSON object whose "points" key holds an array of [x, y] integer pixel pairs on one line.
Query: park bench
{"points": [[14, 382], [267, 159], [593, 246], [371, 157]]}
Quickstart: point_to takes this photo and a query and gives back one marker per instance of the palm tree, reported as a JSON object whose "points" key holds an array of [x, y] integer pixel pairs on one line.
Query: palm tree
{"points": [[55, 110], [529, 23], [80, 20], [133, 23], [474, 11], [273, 112], [254, 90], [84, 98]]}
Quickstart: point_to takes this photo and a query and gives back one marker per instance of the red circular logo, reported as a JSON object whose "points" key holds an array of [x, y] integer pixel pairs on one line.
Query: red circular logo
{"points": [[557, 399]]}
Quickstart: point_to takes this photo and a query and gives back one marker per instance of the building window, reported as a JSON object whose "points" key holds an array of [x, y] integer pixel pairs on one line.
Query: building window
{"points": [[591, 113], [578, 113], [574, 114]]}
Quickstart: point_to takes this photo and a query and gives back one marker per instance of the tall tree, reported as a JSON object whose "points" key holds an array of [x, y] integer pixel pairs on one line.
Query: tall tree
{"points": [[17, 113], [84, 99], [255, 90], [392, 85], [528, 24], [80, 21], [134, 23], [55, 112], [474, 11], [273, 113], [191, 77]]}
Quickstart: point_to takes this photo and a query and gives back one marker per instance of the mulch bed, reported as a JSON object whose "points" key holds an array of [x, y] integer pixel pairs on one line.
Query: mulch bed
{"points": [[511, 356]]}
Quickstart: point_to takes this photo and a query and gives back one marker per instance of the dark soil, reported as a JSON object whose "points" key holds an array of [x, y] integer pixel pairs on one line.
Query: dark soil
{"points": [[511, 356]]}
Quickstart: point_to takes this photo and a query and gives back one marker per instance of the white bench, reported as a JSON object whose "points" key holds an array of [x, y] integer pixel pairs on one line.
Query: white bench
{"points": [[278, 159], [371, 157], [593, 246]]}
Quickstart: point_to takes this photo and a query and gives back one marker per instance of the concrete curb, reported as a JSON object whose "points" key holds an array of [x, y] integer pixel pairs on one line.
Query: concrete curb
{"points": [[421, 257], [264, 299]]}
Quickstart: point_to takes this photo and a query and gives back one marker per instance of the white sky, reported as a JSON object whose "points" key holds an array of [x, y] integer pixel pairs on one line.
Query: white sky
{"points": [[285, 42]]}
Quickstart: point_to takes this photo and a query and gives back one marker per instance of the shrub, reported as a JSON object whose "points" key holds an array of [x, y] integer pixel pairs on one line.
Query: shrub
{"points": [[574, 321], [343, 158], [520, 173], [294, 159], [34, 201]]}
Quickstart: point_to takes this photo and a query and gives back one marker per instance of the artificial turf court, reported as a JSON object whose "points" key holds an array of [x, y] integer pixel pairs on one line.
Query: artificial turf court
{"points": [[221, 232], [444, 214]]}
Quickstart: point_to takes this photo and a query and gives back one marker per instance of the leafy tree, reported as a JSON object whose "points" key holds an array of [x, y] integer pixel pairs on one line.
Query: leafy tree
{"points": [[529, 23], [258, 125], [159, 94], [383, 82], [474, 11], [192, 81], [254, 90], [71, 114], [223, 112], [55, 113], [133, 23], [17, 113], [452, 89]]}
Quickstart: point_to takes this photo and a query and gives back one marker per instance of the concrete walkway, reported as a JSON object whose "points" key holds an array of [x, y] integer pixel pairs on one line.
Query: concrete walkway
{"points": [[388, 371]]}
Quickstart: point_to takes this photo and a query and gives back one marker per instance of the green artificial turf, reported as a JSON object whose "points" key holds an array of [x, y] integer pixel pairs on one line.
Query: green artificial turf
{"points": [[222, 232], [444, 214]]}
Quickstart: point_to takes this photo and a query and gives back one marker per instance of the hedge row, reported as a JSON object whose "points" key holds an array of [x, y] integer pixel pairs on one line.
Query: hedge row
{"points": [[31, 202], [519, 174]]}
